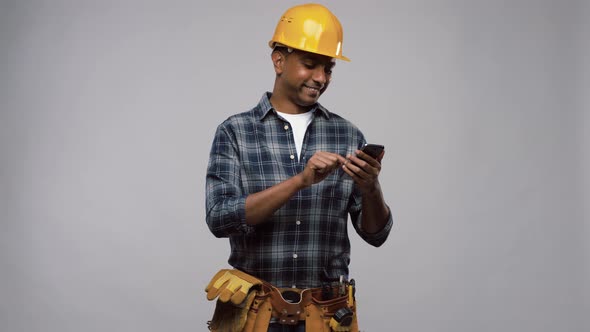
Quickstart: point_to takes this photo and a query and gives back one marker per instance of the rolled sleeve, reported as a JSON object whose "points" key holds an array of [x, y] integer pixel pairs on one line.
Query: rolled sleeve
{"points": [[374, 239], [225, 202], [228, 217], [356, 215]]}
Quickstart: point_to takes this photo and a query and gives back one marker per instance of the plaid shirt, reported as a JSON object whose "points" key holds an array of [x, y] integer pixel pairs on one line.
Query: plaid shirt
{"points": [[255, 150]]}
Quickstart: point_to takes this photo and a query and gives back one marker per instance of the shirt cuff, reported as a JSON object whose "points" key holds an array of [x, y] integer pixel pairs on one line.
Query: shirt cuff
{"points": [[378, 238], [240, 211]]}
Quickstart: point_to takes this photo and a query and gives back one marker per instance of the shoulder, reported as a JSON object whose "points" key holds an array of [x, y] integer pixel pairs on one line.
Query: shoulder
{"points": [[239, 120], [334, 119], [249, 117], [340, 120]]}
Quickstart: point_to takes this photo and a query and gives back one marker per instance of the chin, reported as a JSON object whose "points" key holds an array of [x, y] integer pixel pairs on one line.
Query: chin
{"points": [[305, 103], [308, 101]]}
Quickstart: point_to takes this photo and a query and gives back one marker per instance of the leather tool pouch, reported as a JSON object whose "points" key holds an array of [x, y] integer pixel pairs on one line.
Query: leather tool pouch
{"points": [[229, 317], [335, 314]]}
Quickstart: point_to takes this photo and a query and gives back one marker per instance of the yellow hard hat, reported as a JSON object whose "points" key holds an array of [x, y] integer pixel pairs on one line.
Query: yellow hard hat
{"points": [[312, 28]]}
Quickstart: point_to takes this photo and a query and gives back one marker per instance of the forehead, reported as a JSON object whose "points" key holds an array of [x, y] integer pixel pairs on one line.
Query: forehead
{"points": [[316, 57]]}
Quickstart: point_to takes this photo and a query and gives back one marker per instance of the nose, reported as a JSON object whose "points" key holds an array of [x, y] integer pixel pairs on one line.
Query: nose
{"points": [[319, 75]]}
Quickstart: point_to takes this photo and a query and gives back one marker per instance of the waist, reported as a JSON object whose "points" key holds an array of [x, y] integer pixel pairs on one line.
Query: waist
{"points": [[290, 277]]}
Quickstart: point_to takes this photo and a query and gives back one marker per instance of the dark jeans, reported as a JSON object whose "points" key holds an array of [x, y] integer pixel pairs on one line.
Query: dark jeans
{"points": [[276, 327]]}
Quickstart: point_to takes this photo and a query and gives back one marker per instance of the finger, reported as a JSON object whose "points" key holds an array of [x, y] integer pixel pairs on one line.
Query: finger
{"points": [[360, 168], [214, 291], [229, 290], [336, 157], [331, 159], [323, 165], [238, 297], [354, 175], [371, 167], [367, 158], [234, 287], [348, 171], [381, 157], [225, 295], [317, 164], [236, 294], [356, 163], [221, 277], [351, 168]]}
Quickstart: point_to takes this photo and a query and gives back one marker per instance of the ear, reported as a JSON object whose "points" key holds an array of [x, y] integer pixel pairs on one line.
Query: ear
{"points": [[278, 61]]}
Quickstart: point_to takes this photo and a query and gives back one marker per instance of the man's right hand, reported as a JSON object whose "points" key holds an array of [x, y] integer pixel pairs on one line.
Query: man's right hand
{"points": [[319, 166], [261, 205]]}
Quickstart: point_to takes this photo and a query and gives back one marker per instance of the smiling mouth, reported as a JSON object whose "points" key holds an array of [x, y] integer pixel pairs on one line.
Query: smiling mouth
{"points": [[312, 89]]}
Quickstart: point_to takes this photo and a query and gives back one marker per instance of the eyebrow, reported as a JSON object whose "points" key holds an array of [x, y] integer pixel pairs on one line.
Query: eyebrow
{"points": [[330, 63]]}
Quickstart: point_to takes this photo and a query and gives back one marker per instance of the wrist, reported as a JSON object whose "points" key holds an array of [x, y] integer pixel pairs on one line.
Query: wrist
{"points": [[373, 191], [300, 182]]}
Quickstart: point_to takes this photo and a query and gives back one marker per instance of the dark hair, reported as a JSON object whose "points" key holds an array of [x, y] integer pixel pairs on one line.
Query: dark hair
{"points": [[283, 49]]}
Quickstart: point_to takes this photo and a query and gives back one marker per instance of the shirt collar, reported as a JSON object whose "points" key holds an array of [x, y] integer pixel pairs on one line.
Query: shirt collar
{"points": [[265, 107]]}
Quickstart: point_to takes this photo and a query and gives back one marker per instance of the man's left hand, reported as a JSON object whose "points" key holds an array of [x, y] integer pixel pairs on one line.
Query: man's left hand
{"points": [[364, 170]]}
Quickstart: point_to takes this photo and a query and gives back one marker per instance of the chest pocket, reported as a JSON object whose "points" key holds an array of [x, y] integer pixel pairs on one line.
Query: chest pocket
{"points": [[335, 189]]}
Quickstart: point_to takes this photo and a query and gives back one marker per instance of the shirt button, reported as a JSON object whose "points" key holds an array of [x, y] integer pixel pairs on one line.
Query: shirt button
{"points": [[298, 222], [292, 157], [294, 255], [286, 127]]}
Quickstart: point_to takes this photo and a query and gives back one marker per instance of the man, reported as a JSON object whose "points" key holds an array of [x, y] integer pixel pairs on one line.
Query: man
{"points": [[282, 180]]}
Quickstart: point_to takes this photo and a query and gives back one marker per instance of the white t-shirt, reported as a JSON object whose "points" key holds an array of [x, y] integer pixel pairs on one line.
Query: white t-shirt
{"points": [[299, 123]]}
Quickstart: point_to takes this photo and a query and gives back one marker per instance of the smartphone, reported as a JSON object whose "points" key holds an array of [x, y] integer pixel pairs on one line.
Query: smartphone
{"points": [[373, 150]]}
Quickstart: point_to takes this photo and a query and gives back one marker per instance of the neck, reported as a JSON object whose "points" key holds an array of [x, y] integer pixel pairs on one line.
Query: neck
{"points": [[282, 104]]}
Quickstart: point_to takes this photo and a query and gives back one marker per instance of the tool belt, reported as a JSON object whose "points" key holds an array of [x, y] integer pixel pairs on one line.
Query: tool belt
{"points": [[248, 304]]}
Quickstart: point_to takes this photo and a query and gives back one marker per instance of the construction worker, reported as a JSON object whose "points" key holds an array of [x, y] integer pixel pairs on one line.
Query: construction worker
{"points": [[282, 180]]}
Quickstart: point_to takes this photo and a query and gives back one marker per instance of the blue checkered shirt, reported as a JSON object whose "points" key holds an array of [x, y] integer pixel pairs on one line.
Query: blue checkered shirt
{"points": [[255, 150]]}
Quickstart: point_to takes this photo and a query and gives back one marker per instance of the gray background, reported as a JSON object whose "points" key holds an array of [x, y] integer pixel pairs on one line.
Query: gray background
{"points": [[108, 109]]}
